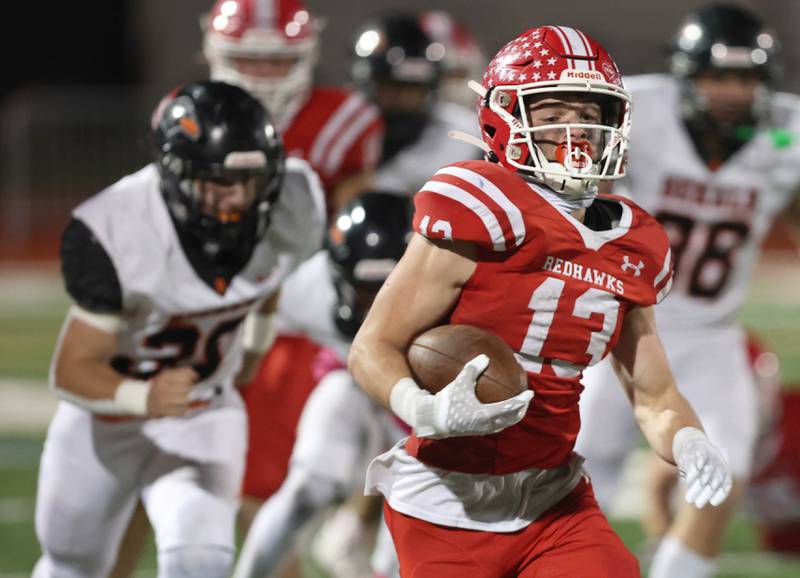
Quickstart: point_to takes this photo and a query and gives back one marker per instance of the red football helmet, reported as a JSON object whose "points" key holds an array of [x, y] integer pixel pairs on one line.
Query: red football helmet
{"points": [[552, 60], [463, 59], [268, 47]]}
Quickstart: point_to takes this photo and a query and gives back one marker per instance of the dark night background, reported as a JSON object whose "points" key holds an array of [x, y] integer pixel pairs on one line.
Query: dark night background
{"points": [[82, 77]]}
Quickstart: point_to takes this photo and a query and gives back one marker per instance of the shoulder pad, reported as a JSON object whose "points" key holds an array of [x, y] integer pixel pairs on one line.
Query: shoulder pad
{"points": [[298, 219], [785, 111], [471, 201], [89, 274]]}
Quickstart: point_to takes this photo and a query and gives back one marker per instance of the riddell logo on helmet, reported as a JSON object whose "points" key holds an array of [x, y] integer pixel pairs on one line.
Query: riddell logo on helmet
{"points": [[611, 73], [581, 75]]}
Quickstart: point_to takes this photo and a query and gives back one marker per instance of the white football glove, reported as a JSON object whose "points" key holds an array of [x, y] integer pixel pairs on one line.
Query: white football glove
{"points": [[703, 467], [455, 410]]}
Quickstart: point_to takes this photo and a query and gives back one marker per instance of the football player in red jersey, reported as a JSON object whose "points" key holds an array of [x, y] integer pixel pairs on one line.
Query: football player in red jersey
{"points": [[270, 48], [521, 245]]}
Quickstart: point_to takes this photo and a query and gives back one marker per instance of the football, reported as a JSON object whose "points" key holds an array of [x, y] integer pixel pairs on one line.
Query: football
{"points": [[438, 355]]}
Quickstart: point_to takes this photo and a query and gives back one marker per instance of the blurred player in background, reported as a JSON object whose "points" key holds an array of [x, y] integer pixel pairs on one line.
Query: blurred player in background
{"points": [[464, 59], [399, 67], [175, 272], [522, 246], [714, 156], [341, 429], [270, 48], [773, 495]]}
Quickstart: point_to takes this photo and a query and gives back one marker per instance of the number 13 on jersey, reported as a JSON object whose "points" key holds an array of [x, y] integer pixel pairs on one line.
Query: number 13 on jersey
{"points": [[557, 320]]}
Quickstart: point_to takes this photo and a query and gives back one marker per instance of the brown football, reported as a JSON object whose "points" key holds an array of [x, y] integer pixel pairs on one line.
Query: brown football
{"points": [[436, 357]]}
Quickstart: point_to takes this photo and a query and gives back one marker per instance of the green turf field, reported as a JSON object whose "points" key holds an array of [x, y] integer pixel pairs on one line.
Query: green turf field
{"points": [[32, 307], [31, 311], [19, 457]]}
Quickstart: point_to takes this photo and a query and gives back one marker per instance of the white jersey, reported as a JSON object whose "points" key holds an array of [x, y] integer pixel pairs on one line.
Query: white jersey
{"points": [[186, 469], [407, 171], [306, 305], [716, 219], [171, 316]]}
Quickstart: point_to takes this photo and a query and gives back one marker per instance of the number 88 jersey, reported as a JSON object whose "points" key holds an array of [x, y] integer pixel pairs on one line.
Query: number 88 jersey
{"points": [[716, 220], [553, 288]]}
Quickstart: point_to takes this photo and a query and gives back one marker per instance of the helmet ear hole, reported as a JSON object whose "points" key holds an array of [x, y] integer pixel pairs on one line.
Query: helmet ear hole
{"points": [[502, 98]]}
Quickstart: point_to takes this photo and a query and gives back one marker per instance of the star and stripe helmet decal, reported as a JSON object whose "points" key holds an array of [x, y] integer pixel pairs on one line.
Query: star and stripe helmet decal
{"points": [[551, 60]]}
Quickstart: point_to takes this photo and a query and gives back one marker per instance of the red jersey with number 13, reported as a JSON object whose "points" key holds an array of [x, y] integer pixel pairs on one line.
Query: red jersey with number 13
{"points": [[553, 289]]}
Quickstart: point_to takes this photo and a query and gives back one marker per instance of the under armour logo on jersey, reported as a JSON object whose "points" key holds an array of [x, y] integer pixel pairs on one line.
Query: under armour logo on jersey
{"points": [[626, 264]]}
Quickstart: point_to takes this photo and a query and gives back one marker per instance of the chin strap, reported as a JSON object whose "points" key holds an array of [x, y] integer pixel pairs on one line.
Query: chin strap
{"points": [[478, 89], [469, 139]]}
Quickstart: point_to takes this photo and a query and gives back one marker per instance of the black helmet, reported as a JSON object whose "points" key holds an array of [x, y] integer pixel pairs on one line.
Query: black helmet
{"points": [[365, 241], [723, 36], [395, 49], [216, 131]]}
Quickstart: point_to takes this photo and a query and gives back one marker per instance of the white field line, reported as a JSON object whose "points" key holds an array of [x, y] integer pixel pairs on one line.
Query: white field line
{"points": [[25, 406]]}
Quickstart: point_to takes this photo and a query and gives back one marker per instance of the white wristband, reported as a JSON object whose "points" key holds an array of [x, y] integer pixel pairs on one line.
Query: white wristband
{"points": [[403, 400], [684, 436], [131, 396], [258, 332]]}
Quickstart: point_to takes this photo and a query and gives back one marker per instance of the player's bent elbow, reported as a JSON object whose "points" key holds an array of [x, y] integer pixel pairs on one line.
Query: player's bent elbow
{"points": [[362, 361], [65, 386], [355, 357]]}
